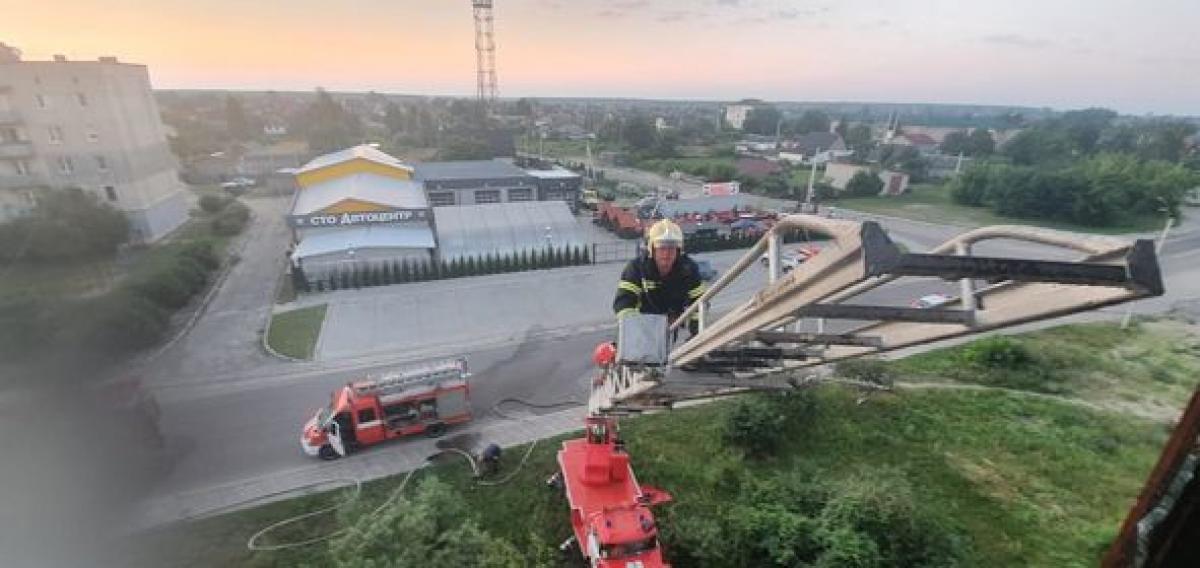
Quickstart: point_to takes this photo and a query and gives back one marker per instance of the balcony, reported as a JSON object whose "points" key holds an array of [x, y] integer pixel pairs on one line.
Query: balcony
{"points": [[9, 117], [16, 150]]}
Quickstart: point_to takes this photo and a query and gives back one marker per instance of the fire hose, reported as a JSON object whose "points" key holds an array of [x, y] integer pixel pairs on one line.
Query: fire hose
{"points": [[254, 544]]}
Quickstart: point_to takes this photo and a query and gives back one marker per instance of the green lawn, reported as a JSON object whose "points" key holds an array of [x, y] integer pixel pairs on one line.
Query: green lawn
{"points": [[932, 203], [56, 280], [295, 333], [1015, 480], [667, 165]]}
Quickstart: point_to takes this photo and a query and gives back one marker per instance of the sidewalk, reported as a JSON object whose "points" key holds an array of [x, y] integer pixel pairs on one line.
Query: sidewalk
{"points": [[391, 458]]}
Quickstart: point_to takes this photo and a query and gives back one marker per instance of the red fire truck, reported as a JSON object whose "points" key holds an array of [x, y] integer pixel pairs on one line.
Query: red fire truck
{"points": [[422, 399], [610, 511]]}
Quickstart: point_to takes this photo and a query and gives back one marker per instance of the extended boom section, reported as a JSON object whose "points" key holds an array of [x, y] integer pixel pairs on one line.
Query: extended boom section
{"points": [[771, 334]]}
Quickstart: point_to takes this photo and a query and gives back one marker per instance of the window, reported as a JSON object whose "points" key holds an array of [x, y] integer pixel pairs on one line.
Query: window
{"points": [[5, 104], [9, 135], [441, 198], [92, 135], [110, 192], [41, 101], [520, 194], [56, 134], [65, 166], [101, 163], [82, 98], [366, 415], [487, 196], [21, 167]]}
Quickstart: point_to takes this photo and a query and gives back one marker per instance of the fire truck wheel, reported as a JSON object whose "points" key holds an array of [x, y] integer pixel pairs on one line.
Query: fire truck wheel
{"points": [[327, 453], [435, 430]]}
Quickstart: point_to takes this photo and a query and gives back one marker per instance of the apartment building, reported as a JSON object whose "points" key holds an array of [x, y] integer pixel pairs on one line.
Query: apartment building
{"points": [[87, 124]]}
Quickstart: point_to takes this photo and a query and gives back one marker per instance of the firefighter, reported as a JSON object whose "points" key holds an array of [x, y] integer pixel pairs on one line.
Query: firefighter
{"points": [[664, 280]]}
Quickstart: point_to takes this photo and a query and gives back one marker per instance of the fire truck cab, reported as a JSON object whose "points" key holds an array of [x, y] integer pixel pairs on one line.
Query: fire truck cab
{"points": [[610, 511], [416, 400]]}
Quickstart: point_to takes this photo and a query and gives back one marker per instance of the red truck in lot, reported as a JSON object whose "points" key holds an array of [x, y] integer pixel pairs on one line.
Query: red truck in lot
{"points": [[417, 400]]}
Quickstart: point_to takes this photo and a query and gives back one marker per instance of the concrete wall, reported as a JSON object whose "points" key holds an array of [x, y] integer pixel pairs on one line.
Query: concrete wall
{"points": [[101, 120]]}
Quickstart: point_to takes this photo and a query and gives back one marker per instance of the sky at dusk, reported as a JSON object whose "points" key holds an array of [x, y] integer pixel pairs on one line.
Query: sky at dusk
{"points": [[1136, 57]]}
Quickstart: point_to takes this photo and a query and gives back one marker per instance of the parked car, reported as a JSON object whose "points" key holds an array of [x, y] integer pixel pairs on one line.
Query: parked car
{"points": [[931, 301], [707, 272], [790, 259], [238, 185]]}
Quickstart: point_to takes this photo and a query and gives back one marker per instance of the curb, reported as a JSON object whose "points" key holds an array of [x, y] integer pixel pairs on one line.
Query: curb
{"points": [[230, 262], [271, 351]]}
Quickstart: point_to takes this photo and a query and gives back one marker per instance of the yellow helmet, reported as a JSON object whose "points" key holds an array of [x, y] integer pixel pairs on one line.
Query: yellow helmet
{"points": [[664, 232]]}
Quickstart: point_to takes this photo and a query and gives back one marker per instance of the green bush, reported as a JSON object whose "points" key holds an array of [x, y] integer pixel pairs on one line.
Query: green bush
{"points": [[210, 203], [232, 220], [113, 324], [755, 424], [874, 371], [998, 352], [172, 281], [864, 184]]}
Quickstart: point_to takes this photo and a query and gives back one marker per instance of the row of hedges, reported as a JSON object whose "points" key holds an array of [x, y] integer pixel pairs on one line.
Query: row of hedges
{"points": [[401, 272], [228, 216], [133, 316]]}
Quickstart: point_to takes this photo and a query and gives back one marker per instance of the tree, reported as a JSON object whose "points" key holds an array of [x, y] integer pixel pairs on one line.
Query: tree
{"points": [[524, 107], [463, 148], [864, 184], [811, 121], [981, 142], [434, 528], [65, 224], [395, 118], [1084, 127], [906, 159], [956, 143], [639, 132], [762, 119], [327, 126], [237, 124], [858, 138], [1038, 145]]}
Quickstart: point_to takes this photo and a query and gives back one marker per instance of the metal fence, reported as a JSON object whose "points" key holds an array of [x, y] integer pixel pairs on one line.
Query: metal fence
{"points": [[617, 251]]}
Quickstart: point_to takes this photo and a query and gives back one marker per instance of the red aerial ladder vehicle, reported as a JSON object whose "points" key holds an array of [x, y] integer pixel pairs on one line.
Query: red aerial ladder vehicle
{"points": [[761, 344]]}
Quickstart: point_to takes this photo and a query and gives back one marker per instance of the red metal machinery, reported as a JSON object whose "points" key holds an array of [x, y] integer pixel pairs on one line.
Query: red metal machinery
{"points": [[416, 400], [610, 510]]}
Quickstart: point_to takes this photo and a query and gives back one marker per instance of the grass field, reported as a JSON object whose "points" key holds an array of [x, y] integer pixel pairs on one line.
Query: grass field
{"points": [[1015, 480], [295, 333], [932, 203]]}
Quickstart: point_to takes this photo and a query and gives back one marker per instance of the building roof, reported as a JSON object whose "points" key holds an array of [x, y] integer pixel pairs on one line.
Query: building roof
{"points": [[365, 237], [467, 169], [505, 228], [919, 139], [360, 152], [383, 190], [553, 173], [813, 141]]}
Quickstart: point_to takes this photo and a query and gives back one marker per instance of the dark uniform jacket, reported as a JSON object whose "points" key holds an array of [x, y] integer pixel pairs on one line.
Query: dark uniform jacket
{"points": [[642, 289]]}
